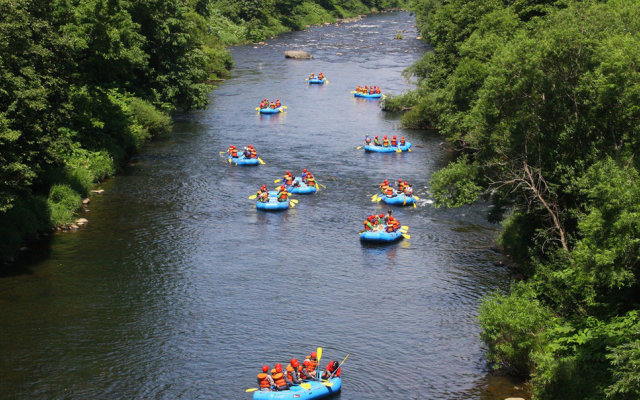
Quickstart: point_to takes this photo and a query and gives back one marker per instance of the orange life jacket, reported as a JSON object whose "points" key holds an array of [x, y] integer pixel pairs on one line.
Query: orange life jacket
{"points": [[311, 181], [282, 195], [402, 142], [290, 370], [394, 141], [279, 380], [263, 381], [385, 142], [234, 152], [272, 105], [278, 104], [377, 90], [401, 187], [389, 191], [288, 180], [254, 153]]}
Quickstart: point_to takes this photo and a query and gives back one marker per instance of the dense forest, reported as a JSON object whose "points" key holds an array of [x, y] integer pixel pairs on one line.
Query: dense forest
{"points": [[83, 83], [541, 102]]}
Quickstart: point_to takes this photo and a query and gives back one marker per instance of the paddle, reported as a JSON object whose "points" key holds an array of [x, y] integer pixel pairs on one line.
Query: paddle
{"points": [[253, 196], [222, 152], [414, 205], [359, 147], [277, 180], [319, 351], [251, 390], [406, 236], [294, 201], [405, 227], [376, 200], [305, 386], [228, 159], [339, 365], [257, 108], [260, 160], [353, 91]]}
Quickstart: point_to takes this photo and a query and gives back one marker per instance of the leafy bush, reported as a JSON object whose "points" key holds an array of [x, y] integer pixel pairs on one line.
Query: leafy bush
{"points": [[63, 202], [454, 185]]}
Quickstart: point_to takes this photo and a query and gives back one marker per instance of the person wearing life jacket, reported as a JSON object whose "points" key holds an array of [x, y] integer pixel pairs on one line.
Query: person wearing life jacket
{"points": [[376, 141], [287, 174], [311, 181], [386, 218], [385, 141], [282, 194], [320, 76], [309, 369], [400, 186], [278, 378], [263, 194], [377, 90], [371, 90], [368, 226], [408, 190], [329, 371], [367, 140], [389, 192], [383, 185], [253, 152], [381, 219], [246, 152], [392, 224], [288, 180], [312, 76], [394, 140], [402, 142], [265, 381], [272, 105], [233, 152], [278, 104], [293, 372], [304, 175]]}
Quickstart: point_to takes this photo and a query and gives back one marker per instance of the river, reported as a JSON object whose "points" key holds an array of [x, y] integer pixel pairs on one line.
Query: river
{"points": [[179, 288]]}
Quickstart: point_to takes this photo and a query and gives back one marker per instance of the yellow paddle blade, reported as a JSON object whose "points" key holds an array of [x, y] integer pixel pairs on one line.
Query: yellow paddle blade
{"points": [[353, 91], [405, 202], [277, 180], [409, 150], [405, 227], [253, 196], [359, 148], [228, 159], [416, 197], [285, 107], [222, 152], [384, 96], [251, 390], [398, 151], [260, 160], [319, 354], [323, 186], [414, 205], [406, 236], [327, 81], [257, 108], [294, 201], [317, 188], [305, 386], [291, 205], [375, 200]]}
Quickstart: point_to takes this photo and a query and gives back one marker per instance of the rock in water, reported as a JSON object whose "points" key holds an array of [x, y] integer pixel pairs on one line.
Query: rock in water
{"points": [[297, 54]]}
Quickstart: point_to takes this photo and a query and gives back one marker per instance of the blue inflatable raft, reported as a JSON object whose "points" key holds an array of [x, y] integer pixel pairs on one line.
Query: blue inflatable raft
{"points": [[380, 236], [303, 188], [242, 160], [272, 110], [273, 204], [389, 149], [316, 391], [398, 200], [317, 81], [368, 96]]}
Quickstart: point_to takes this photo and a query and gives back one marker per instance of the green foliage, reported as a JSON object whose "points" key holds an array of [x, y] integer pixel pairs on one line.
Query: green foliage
{"points": [[543, 97], [512, 326], [455, 184], [63, 202]]}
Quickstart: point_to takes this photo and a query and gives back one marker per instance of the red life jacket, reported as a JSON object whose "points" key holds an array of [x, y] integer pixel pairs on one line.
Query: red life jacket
{"points": [[234, 152], [389, 191], [279, 380], [402, 142], [254, 153], [367, 225], [263, 382], [394, 141], [385, 142]]}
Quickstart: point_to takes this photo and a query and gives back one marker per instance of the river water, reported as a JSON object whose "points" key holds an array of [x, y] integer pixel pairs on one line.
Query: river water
{"points": [[179, 288]]}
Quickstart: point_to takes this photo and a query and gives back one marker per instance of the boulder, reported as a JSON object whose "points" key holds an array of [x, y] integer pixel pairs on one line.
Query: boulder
{"points": [[86, 201], [98, 191], [81, 221], [297, 54], [73, 227]]}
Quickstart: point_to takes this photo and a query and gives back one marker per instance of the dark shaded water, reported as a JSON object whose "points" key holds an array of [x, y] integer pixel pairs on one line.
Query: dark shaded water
{"points": [[179, 288]]}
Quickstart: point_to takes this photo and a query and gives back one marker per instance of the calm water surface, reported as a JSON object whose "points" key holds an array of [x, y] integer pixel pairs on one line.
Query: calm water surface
{"points": [[179, 288]]}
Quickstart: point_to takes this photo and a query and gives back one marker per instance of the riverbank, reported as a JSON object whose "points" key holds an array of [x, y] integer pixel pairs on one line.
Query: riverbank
{"points": [[54, 152], [537, 102]]}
